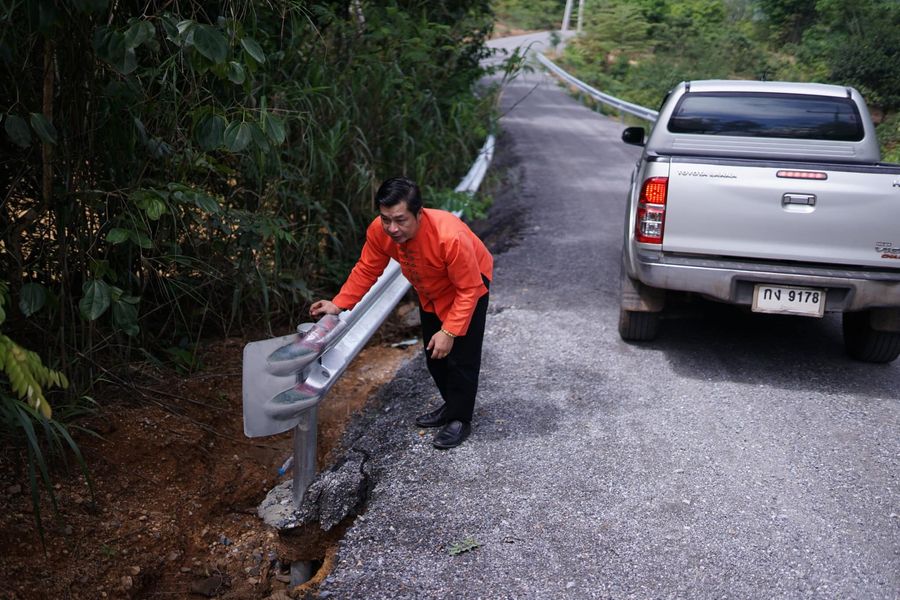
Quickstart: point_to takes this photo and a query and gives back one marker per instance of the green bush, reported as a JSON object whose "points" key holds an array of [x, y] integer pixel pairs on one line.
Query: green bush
{"points": [[889, 136]]}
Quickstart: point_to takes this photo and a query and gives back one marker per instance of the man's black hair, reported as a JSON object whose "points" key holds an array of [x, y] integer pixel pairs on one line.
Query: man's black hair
{"points": [[399, 189]]}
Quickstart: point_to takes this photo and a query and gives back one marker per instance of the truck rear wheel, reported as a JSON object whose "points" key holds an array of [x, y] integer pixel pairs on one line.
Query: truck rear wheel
{"points": [[865, 343], [637, 326]]}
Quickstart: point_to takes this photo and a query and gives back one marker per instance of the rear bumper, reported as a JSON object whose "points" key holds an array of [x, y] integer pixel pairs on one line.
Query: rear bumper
{"points": [[732, 281]]}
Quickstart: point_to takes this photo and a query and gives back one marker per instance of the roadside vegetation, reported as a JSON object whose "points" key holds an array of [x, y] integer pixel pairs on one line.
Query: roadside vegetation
{"points": [[175, 171], [530, 15], [639, 49]]}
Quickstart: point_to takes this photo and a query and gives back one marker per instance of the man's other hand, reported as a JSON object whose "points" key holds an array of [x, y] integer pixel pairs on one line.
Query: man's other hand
{"points": [[440, 345], [324, 307]]}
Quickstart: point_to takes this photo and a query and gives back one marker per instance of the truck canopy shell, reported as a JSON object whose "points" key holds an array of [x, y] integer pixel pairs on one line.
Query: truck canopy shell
{"points": [[851, 140]]}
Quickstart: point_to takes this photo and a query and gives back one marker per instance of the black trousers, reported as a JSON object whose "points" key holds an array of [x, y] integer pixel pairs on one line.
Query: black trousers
{"points": [[456, 375]]}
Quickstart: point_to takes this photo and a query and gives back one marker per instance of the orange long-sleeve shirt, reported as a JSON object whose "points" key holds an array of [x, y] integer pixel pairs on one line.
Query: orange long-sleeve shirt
{"points": [[444, 262]]}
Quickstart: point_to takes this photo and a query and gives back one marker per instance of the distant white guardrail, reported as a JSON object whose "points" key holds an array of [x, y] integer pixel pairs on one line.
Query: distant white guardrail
{"points": [[617, 103], [285, 378]]}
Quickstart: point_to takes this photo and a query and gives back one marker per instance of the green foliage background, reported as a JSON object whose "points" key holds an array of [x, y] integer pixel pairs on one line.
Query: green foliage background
{"points": [[639, 49], [174, 174]]}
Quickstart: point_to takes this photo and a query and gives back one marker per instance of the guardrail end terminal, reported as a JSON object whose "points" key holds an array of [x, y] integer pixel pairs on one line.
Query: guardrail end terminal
{"points": [[306, 346], [291, 402]]}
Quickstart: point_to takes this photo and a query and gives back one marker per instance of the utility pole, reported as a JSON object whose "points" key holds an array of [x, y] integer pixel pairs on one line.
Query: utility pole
{"points": [[566, 16], [580, 14]]}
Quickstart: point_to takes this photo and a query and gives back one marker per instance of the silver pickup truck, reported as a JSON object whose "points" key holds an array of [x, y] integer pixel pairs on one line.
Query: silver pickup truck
{"points": [[768, 195]]}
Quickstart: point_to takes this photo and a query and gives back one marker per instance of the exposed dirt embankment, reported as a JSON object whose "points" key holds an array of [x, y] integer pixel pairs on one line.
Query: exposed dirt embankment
{"points": [[177, 487]]}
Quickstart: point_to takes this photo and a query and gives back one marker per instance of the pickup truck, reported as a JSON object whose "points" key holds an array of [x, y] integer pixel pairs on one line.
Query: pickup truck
{"points": [[769, 195]]}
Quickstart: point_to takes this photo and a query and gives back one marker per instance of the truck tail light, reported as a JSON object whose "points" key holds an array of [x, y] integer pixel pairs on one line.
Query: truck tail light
{"points": [[651, 212]]}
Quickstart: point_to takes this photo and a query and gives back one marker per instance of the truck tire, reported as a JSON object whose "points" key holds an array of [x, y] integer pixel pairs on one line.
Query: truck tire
{"points": [[865, 343], [637, 326]]}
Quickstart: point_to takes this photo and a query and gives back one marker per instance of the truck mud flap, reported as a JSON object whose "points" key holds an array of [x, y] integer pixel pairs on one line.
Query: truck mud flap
{"points": [[635, 296]]}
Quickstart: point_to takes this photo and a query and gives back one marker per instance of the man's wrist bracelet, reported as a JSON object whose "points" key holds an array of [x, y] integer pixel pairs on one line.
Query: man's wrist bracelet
{"points": [[447, 333]]}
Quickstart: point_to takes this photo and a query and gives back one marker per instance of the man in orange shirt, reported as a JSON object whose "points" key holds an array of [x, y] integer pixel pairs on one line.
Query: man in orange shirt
{"points": [[450, 269]]}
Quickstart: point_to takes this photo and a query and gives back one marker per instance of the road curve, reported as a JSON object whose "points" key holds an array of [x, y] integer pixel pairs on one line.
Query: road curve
{"points": [[739, 456]]}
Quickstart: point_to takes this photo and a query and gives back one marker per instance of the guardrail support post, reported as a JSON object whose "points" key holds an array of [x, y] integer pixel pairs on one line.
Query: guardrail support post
{"points": [[304, 453]]}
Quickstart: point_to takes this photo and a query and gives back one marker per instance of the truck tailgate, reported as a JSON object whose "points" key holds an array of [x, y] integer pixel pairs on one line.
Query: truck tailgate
{"points": [[851, 217]]}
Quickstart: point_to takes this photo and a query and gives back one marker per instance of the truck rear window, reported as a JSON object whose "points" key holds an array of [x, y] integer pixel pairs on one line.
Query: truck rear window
{"points": [[767, 115]]}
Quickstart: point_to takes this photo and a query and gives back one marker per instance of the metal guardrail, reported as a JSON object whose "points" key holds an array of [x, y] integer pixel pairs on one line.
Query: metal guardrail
{"points": [[617, 103], [285, 378]]}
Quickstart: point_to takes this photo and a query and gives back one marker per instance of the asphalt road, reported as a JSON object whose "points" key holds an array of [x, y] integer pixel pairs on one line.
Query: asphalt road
{"points": [[738, 456]]}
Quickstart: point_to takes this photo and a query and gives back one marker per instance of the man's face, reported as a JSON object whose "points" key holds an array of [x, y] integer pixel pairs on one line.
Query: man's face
{"points": [[399, 223]]}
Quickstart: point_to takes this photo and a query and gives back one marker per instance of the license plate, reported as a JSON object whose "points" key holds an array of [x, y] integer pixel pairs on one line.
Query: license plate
{"points": [[784, 300]]}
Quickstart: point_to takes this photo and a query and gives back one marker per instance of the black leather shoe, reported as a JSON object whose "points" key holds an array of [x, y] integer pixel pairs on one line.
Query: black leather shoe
{"points": [[435, 418], [451, 435]]}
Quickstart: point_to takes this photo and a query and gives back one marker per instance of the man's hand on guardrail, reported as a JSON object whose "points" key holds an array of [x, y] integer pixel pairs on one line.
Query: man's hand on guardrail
{"points": [[324, 307]]}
